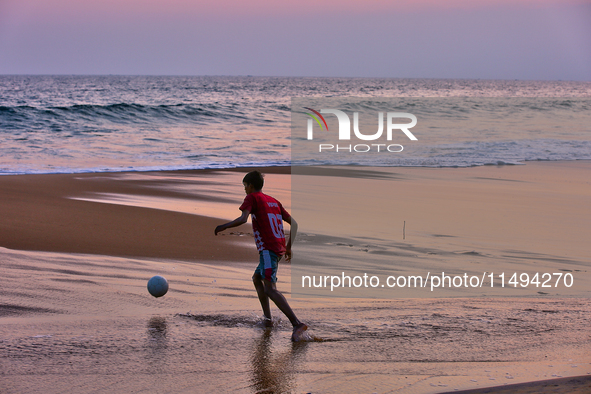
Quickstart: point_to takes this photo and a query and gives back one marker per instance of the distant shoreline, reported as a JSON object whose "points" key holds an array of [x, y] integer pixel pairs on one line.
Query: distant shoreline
{"points": [[278, 169]]}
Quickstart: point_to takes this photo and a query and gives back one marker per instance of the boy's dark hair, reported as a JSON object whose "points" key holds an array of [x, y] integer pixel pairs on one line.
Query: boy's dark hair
{"points": [[254, 178]]}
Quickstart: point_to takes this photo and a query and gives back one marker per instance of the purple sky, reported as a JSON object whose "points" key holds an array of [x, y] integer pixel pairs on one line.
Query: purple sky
{"points": [[492, 39]]}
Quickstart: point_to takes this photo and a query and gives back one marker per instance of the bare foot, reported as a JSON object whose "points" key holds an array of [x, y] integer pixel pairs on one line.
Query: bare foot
{"points": [[298, 331]]}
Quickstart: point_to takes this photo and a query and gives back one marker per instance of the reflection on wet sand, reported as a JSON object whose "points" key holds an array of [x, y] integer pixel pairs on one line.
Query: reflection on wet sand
{"points": [[157, 344], [274, 370]]}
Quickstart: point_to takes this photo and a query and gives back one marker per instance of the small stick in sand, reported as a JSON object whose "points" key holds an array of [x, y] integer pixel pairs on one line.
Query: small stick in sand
{"points": [[404, 230]]}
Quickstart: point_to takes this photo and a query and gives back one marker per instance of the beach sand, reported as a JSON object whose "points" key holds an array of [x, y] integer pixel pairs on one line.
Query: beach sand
{"points": [[77, 250]]}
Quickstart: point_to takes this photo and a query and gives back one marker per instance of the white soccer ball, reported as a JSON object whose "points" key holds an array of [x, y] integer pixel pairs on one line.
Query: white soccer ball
{"points": [[157, 286]]}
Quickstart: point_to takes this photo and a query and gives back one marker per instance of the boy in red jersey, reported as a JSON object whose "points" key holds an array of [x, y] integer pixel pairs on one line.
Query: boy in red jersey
{"points": [[267, 223]]}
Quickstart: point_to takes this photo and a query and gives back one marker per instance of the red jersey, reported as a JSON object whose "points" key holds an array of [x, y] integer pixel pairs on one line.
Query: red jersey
{"points": [[267, 221]]}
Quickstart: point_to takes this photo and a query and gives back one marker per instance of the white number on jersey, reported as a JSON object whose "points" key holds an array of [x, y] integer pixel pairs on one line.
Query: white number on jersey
{"points": [[276, 225]]}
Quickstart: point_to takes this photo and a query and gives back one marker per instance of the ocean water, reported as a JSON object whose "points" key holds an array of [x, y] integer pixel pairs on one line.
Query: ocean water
{"points": [[68, 124]]}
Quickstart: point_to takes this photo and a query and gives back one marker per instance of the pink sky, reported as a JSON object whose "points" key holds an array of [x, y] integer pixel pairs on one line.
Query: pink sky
{"points": [[221, 8], [506, 39]]}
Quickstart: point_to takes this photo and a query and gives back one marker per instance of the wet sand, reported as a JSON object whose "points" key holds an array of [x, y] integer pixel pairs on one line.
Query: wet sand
{"points": [[76, 251]]}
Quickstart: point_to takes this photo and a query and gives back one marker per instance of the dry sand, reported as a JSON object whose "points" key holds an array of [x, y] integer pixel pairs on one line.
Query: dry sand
{"points": [[495, 219], [76, 251]]}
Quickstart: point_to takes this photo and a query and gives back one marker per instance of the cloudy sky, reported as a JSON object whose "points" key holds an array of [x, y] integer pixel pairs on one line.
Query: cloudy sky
{"points": [[493, 39]]}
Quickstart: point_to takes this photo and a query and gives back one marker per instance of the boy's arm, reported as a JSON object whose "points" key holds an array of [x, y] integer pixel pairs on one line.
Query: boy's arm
{"points": [[234, 223], [292, 236]]}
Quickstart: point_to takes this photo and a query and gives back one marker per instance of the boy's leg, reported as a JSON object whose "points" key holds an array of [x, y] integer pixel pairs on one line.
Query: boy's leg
{"points": [[267, 272], [263, 298], [279, 300]]}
